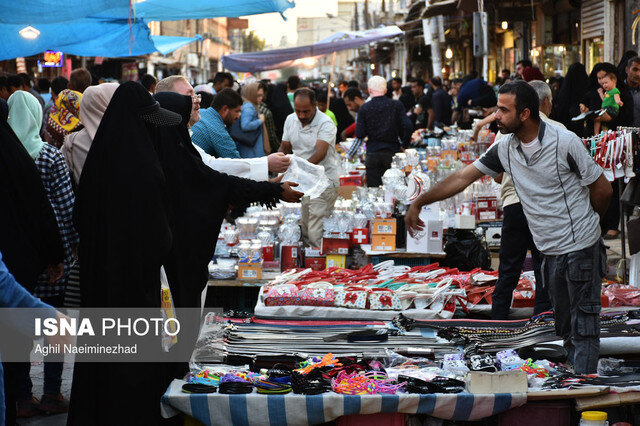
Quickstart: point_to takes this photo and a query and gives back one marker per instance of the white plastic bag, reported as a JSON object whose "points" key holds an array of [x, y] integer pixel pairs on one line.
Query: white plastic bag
{"points": [[310, 177], [168, 312]]}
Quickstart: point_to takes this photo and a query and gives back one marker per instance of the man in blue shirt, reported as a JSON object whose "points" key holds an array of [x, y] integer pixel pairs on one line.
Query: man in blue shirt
{"points": [[210, 133]]}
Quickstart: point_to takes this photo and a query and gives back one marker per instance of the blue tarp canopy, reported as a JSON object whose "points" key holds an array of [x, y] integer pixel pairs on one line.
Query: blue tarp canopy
{"points": [[102, 28], [282, 58], [84, 37], [167, 44]]}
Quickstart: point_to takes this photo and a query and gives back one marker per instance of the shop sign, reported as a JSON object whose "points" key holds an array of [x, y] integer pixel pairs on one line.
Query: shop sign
{"points": [[52, 58]]}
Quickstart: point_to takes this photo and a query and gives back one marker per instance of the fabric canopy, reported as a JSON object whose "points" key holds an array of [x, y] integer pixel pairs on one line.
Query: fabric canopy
{"points": [[84, 37], [167, 44], [282, 58], [36, 12]]}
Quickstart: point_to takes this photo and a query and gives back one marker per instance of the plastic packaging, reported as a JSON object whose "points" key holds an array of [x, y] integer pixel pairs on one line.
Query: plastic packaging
{"points": [[310, 178]]}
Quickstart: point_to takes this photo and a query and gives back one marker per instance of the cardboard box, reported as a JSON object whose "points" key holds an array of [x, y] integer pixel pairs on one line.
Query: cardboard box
{"points": [[383, 242], [250, 271], [384, 227], [336, 261], [335, 246], [514, 381], [315, 263], [346, 191], [465, 221], [351, 180], [487, 208]]}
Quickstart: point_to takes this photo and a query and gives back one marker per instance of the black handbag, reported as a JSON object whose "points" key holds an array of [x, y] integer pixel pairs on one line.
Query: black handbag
{"points": [[244, 137]]}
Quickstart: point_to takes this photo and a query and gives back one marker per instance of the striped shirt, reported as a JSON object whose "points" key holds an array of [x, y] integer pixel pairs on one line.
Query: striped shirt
{"points": [[57, 183]]}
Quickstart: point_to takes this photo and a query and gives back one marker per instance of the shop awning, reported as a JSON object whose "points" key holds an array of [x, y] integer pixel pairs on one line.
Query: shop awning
{"points": [[167, 44], [441, 8], [282, 58]]}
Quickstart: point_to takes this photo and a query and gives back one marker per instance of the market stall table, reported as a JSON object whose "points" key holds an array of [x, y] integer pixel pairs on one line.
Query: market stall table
{"points": [[294, 409]]}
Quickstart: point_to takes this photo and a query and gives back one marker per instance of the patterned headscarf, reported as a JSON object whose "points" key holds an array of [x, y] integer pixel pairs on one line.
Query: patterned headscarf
{"points": [[64, 117]]}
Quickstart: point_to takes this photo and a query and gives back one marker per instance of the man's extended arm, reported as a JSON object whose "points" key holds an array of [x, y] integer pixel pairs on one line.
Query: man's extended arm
{"points": [[452, 185], [600, 193], [285, 146], [322, 148]]}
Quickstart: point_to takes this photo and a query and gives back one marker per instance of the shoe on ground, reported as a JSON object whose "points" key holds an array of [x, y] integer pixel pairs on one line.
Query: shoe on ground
{"points": [[28, 408], [611, 235], [53, 404]]}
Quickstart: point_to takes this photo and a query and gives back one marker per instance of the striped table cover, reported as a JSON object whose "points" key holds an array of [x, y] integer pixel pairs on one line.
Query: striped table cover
{"points": [[293, 409]]}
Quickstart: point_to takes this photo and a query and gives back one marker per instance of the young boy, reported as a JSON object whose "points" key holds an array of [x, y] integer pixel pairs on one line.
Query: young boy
{"points": [[611, 101]]}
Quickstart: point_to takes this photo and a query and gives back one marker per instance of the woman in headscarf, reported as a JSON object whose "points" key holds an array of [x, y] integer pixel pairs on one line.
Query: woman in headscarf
{"points": [[25, 118], [122, 215], [566, 103], [64, 117], [29, 237], [252, 123], [592, 101], [269, 123], [76, 145], [199, 198]]}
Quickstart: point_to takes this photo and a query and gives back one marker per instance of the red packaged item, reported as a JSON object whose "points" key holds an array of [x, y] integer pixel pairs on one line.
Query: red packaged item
{"points": [[384, 299], [282, 295], [318, 294], [352, 297]]}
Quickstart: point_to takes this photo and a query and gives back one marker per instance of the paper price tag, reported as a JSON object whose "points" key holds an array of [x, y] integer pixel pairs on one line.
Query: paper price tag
{"points": [[249, 273], [385, 229]]}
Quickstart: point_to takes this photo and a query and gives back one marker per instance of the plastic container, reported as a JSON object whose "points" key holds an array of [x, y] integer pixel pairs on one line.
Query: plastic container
{"points": [[594, 418]]}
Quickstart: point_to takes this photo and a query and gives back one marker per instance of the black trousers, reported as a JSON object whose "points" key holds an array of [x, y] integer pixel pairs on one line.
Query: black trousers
{"points": [[377, 163], [516, 240]]}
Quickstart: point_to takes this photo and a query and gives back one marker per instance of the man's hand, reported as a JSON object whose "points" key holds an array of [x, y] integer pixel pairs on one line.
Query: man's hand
{"points": [[278, 162], [412, 220], [58, 339], [289, 194], [261, 117], [54, 272]]}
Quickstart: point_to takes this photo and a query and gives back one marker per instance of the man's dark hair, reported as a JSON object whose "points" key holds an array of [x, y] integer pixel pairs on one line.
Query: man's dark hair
{"points": [[525, 63], [3, 82], [305, 92], [354, 83], [58, 84], [25, 79], [343, 83], [634, 60], [293, 82], [457, 81], [222, 76], [351, 93], [526, 97], [397, 80], [43, 85], [321, 96], [80, 79], [419, 82], [147, 81], [436, 81], [507, 70], [15, 81], [228, 97]]}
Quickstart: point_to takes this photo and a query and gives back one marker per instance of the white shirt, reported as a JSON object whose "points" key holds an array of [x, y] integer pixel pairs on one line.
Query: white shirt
{"points": [[303, 140], [530, 148], [250, 168]]}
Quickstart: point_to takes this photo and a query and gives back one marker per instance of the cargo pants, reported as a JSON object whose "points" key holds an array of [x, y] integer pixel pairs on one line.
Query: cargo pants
{"points": [[574, 282]]}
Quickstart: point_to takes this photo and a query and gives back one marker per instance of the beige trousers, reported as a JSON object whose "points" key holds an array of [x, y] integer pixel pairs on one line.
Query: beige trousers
{"points": [[313, 211]]}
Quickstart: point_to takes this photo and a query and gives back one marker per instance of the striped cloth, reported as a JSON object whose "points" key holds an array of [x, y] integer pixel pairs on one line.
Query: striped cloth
{"points": [[354, 151], [293, 409]]}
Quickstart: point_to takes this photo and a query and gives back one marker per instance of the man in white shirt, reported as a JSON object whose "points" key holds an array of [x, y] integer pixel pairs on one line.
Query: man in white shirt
{"points": [[250, 168], [310, 134]]}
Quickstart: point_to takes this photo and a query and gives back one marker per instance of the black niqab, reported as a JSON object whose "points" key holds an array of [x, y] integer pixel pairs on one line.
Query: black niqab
{"points": [[566, 104]]}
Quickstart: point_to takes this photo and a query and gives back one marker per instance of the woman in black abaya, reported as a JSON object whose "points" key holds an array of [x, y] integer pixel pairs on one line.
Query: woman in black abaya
{"points": [[122, 216], [199, 198]]}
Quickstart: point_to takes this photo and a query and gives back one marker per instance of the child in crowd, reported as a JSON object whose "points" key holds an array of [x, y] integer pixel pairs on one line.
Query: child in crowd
{"points": [[611, 101]]}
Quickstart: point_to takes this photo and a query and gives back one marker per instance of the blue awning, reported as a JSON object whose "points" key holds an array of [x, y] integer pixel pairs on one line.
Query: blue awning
{"points": [[167, 44], [282, 58]]}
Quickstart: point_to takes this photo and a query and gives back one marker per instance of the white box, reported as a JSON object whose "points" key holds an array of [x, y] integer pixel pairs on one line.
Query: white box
{"points": [[431, 240], [493, 235], [465, 221]]}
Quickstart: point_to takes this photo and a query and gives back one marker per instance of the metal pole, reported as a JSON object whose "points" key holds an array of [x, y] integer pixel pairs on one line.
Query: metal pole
{"points": [[623, 235], [329, 92]]}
